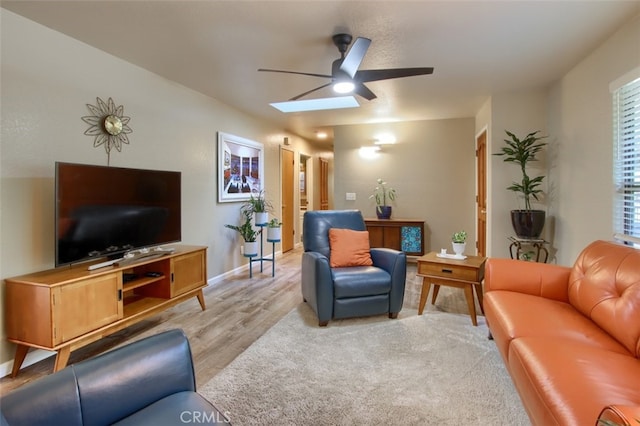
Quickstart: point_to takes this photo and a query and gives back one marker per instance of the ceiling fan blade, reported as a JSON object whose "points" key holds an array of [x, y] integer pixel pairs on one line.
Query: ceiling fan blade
{"points": [[310, 91], [355, 56], [295, 72], [386, 74], [364, 91]]}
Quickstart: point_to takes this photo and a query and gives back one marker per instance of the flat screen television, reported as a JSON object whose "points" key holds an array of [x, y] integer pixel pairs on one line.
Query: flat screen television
{"points": [[104, 212]]}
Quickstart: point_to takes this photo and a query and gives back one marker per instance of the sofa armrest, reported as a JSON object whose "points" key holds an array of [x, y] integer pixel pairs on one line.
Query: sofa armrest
{"points": [[108, 387], [118, 383], [622, 415], [51, 397], [538, 279]]}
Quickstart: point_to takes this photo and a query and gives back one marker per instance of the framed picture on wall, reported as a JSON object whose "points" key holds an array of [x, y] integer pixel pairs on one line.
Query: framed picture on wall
{"points": [[240, 168]]}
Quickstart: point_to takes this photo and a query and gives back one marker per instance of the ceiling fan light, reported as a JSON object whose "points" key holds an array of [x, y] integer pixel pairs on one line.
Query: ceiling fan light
{"points": [[344, 87]]}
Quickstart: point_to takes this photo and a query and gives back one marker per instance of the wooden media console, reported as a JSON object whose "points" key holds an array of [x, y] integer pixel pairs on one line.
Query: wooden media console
{"points": [[66, 308]]}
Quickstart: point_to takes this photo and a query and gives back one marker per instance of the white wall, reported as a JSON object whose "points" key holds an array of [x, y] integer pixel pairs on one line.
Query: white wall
{"points": [[47, 79], [432, 168], [580, 120]]}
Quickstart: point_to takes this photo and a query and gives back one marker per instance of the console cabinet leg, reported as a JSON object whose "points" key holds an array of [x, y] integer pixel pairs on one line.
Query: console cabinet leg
{"points": [[21, 353], [200, 297], [62, 358]]}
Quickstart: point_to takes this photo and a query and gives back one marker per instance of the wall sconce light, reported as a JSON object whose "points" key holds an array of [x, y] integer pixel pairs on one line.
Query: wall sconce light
{"points": [[369, 152], [385, 139]]}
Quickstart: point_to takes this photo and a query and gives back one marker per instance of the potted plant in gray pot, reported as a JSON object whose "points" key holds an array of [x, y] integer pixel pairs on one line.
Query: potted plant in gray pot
{"points": [[381, 195], [527, 223]]}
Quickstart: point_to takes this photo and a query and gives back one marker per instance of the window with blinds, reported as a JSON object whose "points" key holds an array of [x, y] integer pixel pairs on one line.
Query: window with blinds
{"points": [[626, 168]]}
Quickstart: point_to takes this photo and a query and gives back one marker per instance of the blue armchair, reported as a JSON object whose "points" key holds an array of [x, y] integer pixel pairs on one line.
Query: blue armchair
{"points": [[352, 291]]}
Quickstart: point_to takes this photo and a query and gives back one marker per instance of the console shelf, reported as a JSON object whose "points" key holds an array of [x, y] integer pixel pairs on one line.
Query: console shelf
{"points": [[66, 308]]}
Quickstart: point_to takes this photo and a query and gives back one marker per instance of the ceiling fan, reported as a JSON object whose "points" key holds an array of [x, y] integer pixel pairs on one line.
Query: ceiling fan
{"points": [[345, 75]]}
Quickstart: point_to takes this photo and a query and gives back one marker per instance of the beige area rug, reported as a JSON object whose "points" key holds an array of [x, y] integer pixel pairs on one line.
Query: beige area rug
{"points": [[434, 369]]}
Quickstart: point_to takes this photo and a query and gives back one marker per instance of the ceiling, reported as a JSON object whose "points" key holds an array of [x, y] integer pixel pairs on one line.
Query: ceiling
{"points": [[215, 47]]}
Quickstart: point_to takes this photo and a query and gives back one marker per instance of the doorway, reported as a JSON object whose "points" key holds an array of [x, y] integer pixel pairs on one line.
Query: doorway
{"points": [[481, 191], [306, 187], [288, 204], [324, 184]]}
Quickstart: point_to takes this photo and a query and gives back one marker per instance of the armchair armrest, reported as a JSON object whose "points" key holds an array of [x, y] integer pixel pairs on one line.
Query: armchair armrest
{"points": [[619, 415], [395, 263], [538, 279], [317, 284]]}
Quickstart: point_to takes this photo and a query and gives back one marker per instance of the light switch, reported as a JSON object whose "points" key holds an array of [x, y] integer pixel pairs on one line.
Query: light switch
{"points": [[351, 196]]}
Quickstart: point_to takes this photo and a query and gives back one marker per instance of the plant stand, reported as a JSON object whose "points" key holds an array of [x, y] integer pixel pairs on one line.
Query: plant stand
{"points": [[262, 259], [517, 248]]}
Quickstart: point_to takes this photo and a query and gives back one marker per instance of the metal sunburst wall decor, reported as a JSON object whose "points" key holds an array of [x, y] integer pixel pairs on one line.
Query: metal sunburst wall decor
{"points": [[108, 124]]}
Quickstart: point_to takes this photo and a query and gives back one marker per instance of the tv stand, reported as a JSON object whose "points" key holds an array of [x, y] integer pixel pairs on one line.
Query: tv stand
{"points": [[67, 308]]}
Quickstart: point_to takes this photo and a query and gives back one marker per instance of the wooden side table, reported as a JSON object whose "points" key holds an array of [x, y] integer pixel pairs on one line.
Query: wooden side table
{"points": [[466, 274]]}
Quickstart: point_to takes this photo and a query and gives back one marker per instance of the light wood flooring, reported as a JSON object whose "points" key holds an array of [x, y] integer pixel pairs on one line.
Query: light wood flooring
{"points": [[239, 310]]}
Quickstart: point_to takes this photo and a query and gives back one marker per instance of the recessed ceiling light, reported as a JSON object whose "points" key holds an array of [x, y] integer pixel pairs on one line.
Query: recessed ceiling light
{"points": [[317, 104], [321, 135]]}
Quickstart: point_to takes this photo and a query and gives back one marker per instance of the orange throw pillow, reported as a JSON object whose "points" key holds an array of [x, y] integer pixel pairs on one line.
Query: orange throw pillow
{"points": [[349, 248]]}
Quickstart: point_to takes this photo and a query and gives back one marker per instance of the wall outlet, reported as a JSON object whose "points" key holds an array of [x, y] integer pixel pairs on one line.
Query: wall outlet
{"points": [[351, 196]]}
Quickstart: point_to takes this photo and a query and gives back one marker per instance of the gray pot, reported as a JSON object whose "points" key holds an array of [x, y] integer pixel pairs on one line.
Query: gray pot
{"points": [[528, 224]]}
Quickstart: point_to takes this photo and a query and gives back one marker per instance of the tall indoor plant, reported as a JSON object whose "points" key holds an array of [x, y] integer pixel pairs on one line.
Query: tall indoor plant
{"points": [[381, 194], [527, 222]]}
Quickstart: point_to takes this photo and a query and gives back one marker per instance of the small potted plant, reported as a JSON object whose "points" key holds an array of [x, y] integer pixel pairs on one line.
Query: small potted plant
{"points": [[382, 194], [527, 223], [459, 242], [258, 206], [274, 230], [248, 232]]}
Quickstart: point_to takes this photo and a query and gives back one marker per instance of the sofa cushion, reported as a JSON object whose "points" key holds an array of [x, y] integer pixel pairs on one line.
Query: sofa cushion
{"points": [[179, 408], [349, 248], [568, 382], [512, 315], [605, 286]]}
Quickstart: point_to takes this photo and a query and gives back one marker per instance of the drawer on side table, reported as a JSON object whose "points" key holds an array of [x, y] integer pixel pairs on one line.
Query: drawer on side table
{"points": [[458, 272]]}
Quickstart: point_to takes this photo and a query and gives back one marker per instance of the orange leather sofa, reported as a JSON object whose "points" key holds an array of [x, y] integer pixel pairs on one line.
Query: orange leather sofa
{"points": [[570, 337]]}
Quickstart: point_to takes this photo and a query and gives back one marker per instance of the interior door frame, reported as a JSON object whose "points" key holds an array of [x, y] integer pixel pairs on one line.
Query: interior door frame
{"points": [[484, 130], [296, 196]]}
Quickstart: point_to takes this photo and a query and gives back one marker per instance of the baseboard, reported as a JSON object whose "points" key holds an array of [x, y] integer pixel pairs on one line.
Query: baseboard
{"points": [[38, 355]]}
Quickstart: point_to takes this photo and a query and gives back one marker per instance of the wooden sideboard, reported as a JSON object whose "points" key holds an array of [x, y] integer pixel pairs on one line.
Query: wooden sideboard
{"points": [[406, 235], [66, 308]]}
